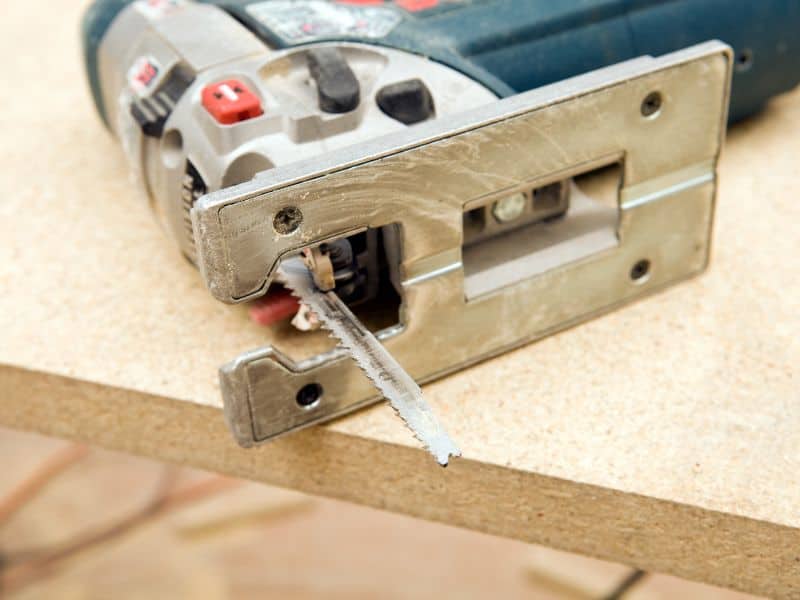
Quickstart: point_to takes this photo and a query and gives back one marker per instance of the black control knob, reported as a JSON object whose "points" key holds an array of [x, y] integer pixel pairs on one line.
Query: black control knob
{"points": [[407, 101], [337, 87]]}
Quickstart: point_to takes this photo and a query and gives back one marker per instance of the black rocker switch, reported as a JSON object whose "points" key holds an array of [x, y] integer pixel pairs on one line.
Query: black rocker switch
{"points": [[337, 87]]}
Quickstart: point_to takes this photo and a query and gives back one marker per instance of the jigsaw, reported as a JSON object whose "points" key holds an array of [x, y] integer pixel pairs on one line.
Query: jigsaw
{"points": [[485, 172]]}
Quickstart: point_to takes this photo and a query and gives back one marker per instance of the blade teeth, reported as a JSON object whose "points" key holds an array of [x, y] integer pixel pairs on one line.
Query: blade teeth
{"points": [[442, 461], [423, 442], [450, 452], [454, 454]]}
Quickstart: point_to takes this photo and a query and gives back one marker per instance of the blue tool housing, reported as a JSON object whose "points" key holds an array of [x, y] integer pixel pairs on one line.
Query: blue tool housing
{"points": [[511, 46]]}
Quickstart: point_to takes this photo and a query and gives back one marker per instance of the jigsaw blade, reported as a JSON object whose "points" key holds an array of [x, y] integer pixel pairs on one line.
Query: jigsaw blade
{"points": [[378, 364]]}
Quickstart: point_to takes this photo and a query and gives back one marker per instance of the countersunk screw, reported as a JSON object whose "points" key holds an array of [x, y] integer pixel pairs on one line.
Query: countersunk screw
{"points": [[509, 208]]}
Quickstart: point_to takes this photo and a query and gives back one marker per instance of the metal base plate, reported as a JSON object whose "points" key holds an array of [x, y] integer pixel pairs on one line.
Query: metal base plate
{"points": [[662, 119]]}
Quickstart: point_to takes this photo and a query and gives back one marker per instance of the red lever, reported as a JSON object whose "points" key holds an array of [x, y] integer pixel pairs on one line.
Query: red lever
{"points": [[276, 306]]}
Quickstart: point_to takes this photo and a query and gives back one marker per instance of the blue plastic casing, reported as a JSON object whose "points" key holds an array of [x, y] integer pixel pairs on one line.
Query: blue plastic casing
{"points": [[512, 46]]}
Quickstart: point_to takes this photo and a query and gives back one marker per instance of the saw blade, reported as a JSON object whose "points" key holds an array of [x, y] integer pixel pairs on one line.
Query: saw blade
{"points": [[378, 364]]}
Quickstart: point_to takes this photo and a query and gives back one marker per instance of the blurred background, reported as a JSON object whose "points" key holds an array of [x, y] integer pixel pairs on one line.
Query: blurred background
{"points": [[78, 522]]}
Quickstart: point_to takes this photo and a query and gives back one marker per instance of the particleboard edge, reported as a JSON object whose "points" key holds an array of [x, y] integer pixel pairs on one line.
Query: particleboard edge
{"points": [[704, 545]]}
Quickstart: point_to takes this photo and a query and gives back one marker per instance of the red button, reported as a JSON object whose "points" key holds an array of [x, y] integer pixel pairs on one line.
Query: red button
{"points": [[231, 101]]}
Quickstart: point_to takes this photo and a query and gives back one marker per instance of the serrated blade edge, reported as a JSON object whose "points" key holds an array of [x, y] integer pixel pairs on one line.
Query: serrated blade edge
{"points": [[386, 374]]}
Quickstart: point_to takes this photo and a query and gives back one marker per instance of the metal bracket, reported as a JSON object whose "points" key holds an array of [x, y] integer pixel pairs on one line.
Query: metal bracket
{"points": [[663, 119]]}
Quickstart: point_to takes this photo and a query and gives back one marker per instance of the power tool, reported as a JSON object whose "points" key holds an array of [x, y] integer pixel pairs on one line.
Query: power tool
{"points": [[481, 172]]}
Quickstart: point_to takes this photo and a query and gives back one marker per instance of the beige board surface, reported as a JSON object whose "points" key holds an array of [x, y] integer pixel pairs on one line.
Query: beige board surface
{"points": [[665, 435]]}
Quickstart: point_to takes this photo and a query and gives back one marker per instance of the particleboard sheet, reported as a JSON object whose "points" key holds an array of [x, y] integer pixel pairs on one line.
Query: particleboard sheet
{"points": [[231, 545], [665, 435]]}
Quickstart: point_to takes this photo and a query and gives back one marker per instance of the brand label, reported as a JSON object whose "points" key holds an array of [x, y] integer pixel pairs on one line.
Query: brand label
{"points": [[308, 20]]}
